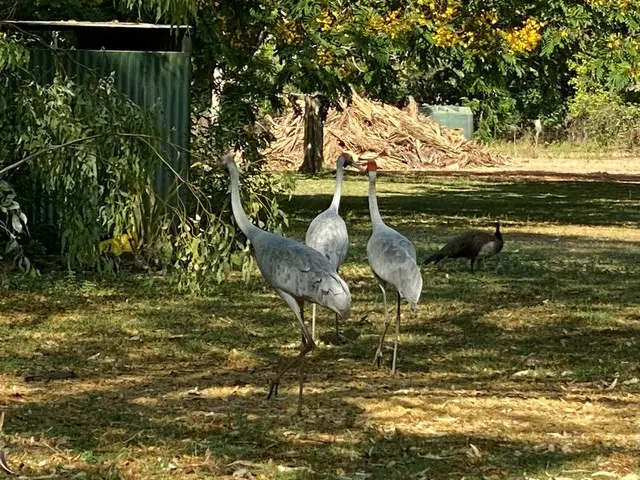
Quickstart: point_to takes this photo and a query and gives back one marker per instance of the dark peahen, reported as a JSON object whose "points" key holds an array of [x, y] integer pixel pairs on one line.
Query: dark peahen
{"points": [[474, 244]]}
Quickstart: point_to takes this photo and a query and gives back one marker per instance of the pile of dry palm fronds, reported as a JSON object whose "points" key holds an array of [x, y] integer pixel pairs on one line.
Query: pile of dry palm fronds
{"points": [[397, 139]]}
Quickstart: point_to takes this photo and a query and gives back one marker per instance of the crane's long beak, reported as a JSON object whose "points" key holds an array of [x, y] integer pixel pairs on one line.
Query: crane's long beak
{"points": [[361, 166]]}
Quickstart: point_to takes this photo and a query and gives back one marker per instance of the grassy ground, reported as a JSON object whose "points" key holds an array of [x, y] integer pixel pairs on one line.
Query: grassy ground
{"points": [[565, 157], [529, 369]]}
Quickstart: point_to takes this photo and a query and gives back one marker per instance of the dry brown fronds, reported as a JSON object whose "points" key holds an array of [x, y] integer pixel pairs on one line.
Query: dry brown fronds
{"points": [[397, 139]]}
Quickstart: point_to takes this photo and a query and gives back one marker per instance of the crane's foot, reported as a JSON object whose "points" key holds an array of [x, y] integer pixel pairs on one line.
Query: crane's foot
{"points": [[341, 339], [4, 467], [377, 360], [273, 390]]}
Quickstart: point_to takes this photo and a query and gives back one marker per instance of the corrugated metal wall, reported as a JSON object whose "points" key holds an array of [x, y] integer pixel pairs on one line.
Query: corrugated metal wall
{"points": [[159, 81]]}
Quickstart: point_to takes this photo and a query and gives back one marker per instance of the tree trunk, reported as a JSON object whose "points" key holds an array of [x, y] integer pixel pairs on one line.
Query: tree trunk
{"points": [[313, 134], [216, 87]]}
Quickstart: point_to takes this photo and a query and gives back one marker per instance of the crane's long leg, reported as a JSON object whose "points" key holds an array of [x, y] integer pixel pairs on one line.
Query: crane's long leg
{"points": [[378, 357], [303, 351], [395, 343], [306, 346], [339, 337], [473, 260], [3, 461], [313, 321]]}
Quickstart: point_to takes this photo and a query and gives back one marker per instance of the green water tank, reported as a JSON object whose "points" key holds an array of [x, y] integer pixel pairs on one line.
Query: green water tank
{"points": [[451, 117]]}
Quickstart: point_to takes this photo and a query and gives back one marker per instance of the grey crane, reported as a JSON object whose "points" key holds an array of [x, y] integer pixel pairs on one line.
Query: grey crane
{"points": [[297, 272], [327, 233], [392, 258]]}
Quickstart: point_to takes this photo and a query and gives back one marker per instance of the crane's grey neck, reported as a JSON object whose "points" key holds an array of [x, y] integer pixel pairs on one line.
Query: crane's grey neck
{"points": [[236, 206], [335, 203], [373, 201]]}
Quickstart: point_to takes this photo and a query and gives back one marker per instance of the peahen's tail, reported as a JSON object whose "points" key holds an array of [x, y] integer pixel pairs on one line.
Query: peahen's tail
{"points": [[435, 258]]}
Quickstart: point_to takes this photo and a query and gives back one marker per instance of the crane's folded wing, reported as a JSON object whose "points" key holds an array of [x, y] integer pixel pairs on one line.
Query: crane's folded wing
{"points": [[300, 270]]}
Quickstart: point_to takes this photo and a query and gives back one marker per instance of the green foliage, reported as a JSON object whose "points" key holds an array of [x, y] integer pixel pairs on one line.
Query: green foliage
{"points": [[509, 73], [211, 245], [13, 221], [251, 52], [510, 61], [96, 172], [206, 245], [180, 11], [93, 152], [92, 10], [598, 111], [13, 225], [603, 118]]}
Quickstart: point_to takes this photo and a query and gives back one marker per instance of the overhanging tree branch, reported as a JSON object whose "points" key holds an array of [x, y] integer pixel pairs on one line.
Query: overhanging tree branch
{"points": [[49, 149]]}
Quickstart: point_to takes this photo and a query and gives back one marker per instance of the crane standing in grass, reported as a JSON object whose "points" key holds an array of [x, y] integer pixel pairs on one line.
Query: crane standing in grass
{"points": [[327, 233], [392, 258], [297, 272]]}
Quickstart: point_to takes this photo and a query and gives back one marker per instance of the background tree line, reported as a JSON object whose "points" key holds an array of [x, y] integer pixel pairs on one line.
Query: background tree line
{"points": [[573, 63]]}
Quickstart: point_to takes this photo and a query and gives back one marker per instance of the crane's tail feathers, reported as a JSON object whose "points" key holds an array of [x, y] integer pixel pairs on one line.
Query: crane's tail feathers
{"points": [[435, 258]]}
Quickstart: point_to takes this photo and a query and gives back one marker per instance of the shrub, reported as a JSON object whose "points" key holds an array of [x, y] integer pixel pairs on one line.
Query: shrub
{"points": [[598, 112], [93, 152]]}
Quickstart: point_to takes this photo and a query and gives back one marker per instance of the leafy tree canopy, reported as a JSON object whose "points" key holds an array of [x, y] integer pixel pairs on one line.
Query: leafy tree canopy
{"points": [[510, 60]]}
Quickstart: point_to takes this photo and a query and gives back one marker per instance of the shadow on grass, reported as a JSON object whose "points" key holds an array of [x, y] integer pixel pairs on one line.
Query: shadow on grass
{"points": [[429, 199], [246, 427], [130, 408], [548, 317], [459, 311]]}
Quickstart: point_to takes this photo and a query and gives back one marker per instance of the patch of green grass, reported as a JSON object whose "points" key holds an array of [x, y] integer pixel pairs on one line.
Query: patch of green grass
{"points": [[507, 373]]}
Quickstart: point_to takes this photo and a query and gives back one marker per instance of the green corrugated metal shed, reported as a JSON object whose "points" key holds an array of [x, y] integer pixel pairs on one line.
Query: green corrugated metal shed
{"points": [[158, 80]]}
